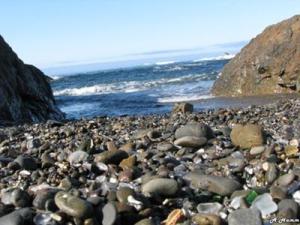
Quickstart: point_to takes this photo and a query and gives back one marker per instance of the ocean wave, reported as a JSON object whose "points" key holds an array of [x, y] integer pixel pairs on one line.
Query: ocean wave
{"points": [[164, 63], [168, 69], [221, 57], [55, 77], [128, 86], [187, 98]]}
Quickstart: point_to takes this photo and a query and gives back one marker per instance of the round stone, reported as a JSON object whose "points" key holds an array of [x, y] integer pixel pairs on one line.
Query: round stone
{"points": [[265, 204], [194, 130], [215, 184], [77, 157], [26, 162], [73, 205], [111, 157], [109, 213], [145, 222], [160, 186], [123, 193], [189, 141], [257, 150], [245, 216]]}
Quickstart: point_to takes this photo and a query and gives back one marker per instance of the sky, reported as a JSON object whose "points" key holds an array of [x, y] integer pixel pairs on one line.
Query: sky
{"points": [[56, 32]]}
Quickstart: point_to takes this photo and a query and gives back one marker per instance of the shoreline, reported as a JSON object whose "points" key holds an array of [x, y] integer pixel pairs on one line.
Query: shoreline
{"points": [[217, 102], [213, 103], [159, 161]]}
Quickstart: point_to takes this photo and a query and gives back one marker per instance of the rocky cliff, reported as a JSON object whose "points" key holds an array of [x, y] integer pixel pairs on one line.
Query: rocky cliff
{"points": [[25, 94], [269, 64]]}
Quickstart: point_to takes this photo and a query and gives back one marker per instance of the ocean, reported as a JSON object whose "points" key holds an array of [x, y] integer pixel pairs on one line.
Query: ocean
{"points": [[140, 90]]}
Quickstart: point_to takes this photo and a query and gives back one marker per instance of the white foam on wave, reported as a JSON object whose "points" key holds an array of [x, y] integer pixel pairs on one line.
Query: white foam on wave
{"points": [[187, 98], [55, 77], [221, 57], [170, 69], [164, 63], [126, 87]]}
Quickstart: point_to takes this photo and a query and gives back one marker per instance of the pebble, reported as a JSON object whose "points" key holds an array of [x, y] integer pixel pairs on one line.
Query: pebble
{"points": [[123, 193], [209, 208], [42, 197], [272, 173], [182, 108], [206, 219], [166, 147], [73, 205], [194, 130], [111, 146], [285, 179], [291, 150], [111, 157], [189, 141], [278, 192], [128, 163], [16, 197], [109, 212], [18, 217], [145, 222], [26, 162], [215, 184], [265, 204], [160, 186], [245, 216], [78, 157], [288, 208], [174, 217], [257, 150], [296, 196], [33, 143]]}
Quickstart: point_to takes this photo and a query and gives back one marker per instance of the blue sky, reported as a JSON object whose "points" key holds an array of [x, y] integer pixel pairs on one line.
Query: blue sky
{"points": [[49, 32]]}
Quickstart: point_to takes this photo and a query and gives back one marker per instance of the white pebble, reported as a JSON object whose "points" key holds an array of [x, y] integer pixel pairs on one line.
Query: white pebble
{"points": [[296, 196]]}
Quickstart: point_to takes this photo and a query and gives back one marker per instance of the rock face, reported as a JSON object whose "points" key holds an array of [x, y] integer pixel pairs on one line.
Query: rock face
{"points": [[25, 94], [268, 64]]}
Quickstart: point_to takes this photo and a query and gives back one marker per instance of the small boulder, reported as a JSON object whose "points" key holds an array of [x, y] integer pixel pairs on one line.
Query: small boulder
{"points": [[194, 130], [182, 108], [247, 136]]}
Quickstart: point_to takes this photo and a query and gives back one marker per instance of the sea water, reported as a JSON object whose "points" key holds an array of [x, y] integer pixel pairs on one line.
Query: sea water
{"points": [[140, 90]]}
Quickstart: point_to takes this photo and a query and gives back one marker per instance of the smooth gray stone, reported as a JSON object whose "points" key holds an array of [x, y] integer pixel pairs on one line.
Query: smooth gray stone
{"points": [[77, 157], [109, 212], [189, 141], [26, 162], [220, 185], [73, 205], [245, 217], [160, 186], [194, 130], [18, 217]]}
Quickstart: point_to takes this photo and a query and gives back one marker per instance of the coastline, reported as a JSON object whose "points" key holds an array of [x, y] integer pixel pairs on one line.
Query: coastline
{"points": [[216, 102]]}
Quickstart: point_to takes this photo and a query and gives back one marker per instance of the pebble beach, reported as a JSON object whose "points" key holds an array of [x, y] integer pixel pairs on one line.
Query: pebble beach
{"points": [[219, 166]]}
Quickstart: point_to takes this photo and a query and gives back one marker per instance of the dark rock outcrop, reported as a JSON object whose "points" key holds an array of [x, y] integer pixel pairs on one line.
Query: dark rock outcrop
{"points": [[25, 94], [269, 64]]}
